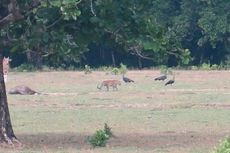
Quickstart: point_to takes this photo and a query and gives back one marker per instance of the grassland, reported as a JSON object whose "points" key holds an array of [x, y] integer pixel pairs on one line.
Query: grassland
{"points": [[146, 117]]}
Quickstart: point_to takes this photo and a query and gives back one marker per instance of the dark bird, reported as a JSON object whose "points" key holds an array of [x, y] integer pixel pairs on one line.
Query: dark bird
{"points": [[161, 78], [170, 81], [127, 80]]}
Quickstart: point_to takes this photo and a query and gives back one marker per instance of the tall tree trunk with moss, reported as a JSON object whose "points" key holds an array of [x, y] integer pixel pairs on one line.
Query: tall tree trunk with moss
{"points": [[6, 131]]}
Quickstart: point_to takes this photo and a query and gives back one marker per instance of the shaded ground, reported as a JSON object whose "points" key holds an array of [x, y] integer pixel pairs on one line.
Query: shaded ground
{"points": [[167, 141], [164, 140]]}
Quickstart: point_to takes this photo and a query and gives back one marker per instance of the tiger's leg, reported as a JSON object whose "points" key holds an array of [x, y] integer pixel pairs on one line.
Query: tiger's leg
{"points": [[115, 87], [5, 78], [107, 87]]}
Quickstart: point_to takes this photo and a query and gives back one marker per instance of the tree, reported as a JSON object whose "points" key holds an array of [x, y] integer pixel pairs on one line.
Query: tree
{"points": [[46, 33], [133, 26], [7, 135], [10, 13]]}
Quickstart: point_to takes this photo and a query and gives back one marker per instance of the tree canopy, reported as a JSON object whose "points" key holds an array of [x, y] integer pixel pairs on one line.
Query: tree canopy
{"points": [[63, 33]]}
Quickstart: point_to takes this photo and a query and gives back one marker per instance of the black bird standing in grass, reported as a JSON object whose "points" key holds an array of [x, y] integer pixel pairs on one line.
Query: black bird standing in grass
{"points": [[170, 81], [161, 78], [127, 80]]}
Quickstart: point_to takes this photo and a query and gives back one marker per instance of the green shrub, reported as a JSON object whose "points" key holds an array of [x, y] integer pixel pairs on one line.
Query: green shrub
{"points": [[71, 68], [224, 146], [123, 68], [99, 139], [215, 67], [205, 66], [194, 68], [108, 130], [163, 69], [105, 68], [87, 69], [169, 71], [115, 71], [45, 68], [25, 68]]}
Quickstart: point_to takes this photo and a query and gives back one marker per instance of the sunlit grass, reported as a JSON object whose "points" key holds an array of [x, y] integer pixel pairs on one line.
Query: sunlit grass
{"points": [[75, 109]]}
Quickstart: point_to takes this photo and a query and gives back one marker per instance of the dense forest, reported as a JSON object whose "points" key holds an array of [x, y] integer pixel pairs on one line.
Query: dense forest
{"points": [[137, 33]]}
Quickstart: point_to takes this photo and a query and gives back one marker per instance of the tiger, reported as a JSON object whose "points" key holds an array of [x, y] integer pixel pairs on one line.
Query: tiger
{"points": [[6, 67], [109, 83]]}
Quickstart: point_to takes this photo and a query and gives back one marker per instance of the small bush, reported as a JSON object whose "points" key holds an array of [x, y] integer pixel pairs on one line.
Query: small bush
{"points": [[45, 68], [115, 71], [87, 69], [25, 68], [105, 68], [215, 67], [108, 130], [205, 66], [99, 139], [123, 68], [224, 147], [169, 71], [71, 68], [163, 69], [194, 68]]}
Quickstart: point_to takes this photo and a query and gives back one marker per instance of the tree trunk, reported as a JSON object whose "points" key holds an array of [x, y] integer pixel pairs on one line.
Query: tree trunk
{"points": [[139, 63], [113, 59], [34, 58], [6, 131], [102, 55]]}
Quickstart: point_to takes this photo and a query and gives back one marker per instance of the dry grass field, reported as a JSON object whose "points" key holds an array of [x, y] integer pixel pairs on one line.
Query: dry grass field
{"points": [[190, 116]]}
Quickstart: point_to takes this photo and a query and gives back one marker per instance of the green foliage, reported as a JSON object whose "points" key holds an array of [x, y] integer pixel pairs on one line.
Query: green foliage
{"points": [[169, 71], [99, 139], [224, 146], [25, 68], [108, 130], [206, 66], [185, 57], [61, 31], [194, 67], [163, 69], [87, 69], [123, 68], [105, 68], [115, 71], [215, 67]]}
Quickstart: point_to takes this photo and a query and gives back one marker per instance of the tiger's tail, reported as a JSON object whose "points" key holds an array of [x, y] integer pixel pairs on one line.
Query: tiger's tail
{"points": [[99, 86]]}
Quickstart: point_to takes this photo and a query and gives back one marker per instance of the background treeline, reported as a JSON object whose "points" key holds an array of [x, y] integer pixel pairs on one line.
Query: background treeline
{"points": [[137, 33]]}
